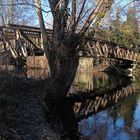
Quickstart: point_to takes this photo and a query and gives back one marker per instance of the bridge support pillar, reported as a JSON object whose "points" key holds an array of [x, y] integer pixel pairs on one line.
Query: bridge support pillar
{"points": [[37, 67], [37, 62], [85, 64]]}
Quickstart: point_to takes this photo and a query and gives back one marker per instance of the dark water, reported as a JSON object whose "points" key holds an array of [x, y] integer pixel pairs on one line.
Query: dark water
{"points": [[107, 107]]}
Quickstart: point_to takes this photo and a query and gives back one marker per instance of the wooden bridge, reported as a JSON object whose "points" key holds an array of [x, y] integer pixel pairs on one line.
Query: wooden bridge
{"points": [[21, 40], [101, 48], [26, 40]]}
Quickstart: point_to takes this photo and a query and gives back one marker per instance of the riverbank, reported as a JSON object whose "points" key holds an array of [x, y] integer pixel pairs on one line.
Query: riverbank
{"points": [[22, 116]]}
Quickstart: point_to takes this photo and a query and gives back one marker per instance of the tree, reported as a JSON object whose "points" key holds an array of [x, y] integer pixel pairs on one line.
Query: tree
{"points": [[123, 28], [62, 50], [17, 12], [130, 28]]}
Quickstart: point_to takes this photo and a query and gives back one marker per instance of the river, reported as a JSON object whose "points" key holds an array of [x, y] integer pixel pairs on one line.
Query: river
{"points": [[106, 106]]}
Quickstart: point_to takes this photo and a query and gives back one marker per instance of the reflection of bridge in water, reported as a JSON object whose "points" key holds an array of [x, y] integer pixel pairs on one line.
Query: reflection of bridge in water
{"points": [[94, 96]]}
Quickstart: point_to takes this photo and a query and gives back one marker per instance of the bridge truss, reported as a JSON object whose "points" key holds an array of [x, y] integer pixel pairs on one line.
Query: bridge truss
{"points": [[26, 40]]}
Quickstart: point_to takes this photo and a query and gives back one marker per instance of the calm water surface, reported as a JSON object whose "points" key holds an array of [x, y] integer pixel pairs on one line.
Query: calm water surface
{"points": [[107, 107]]}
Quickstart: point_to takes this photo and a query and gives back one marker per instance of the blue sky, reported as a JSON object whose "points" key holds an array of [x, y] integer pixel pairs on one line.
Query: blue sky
{"points": [[48, 17]]}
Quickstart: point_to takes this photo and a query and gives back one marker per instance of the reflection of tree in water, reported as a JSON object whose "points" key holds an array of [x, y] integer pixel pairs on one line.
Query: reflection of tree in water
{"points": [[126, 109], [100, 125], [94, 128]]}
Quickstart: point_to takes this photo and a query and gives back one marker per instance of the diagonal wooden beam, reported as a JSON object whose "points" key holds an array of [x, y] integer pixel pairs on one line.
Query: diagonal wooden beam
{"points": [[28, 39]]}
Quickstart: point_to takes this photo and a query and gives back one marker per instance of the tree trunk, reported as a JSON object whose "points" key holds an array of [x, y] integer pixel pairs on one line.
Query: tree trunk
{"points": [[59, 85], [63, 61]]}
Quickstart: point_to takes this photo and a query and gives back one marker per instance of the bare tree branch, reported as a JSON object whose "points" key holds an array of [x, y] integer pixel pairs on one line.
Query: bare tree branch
{"points": [[117, 12], [74, 26], [91, 17], [24, 3], [103, 12]]}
